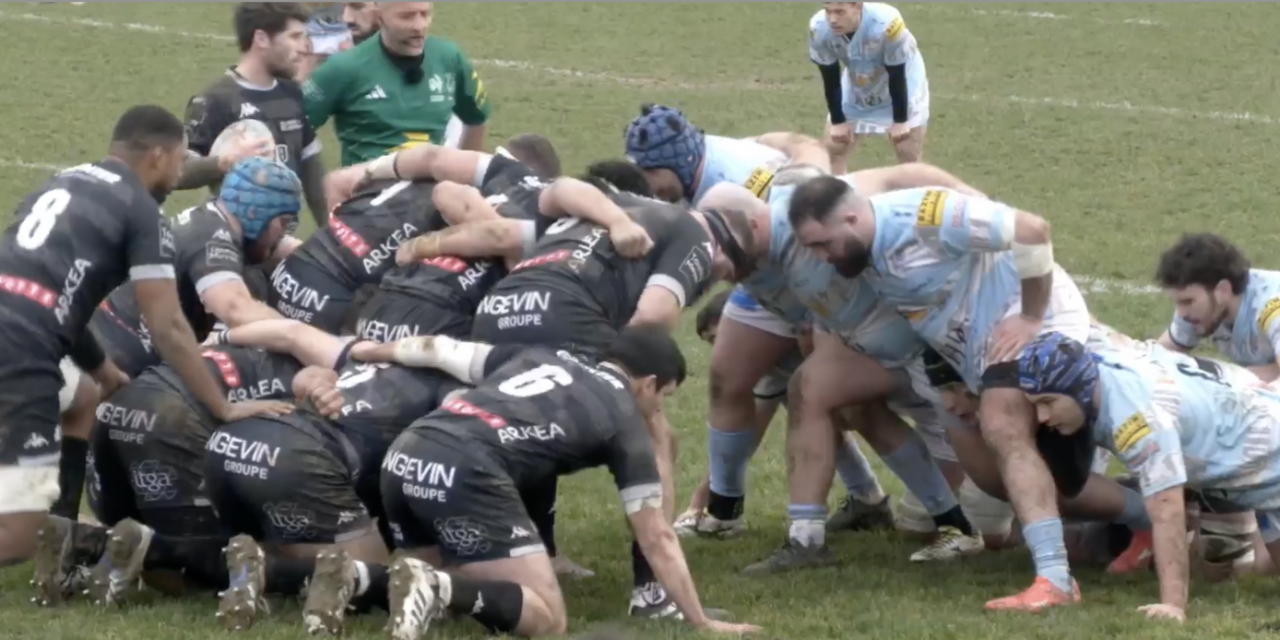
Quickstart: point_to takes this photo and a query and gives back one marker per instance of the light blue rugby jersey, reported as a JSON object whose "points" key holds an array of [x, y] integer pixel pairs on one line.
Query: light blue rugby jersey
{"points": [[743, 162], [1254, 339], [1175, 421], [796, 281], [881, 40], [941, 259]]}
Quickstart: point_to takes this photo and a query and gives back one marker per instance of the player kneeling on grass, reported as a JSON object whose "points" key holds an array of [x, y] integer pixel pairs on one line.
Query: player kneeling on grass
{"points": [[1173, 423], [243, 226], [536, 414]]}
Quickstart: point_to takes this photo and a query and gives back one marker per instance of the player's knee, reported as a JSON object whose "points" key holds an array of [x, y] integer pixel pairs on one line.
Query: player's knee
{"points": [[728, 386]]}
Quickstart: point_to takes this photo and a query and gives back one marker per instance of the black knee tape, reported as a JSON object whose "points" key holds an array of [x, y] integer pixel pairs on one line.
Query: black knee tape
{"points": [[503, 602]]}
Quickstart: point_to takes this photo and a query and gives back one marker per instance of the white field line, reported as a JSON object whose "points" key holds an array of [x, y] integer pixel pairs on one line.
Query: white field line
{"points": [[1045, 15], [1087, 284], [1063, 103]]}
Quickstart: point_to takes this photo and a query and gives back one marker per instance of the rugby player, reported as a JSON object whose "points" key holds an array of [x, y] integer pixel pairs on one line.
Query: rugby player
{"points": [[536, 413], [883, 90], [977, 281], [272, 38], [78, 236], [1173, 425], [214, 243], [148, 466], [865, 508], [1218, 297], [872, 342]]}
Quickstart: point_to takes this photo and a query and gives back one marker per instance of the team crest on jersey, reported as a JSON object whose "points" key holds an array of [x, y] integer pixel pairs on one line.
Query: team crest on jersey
{"points": [[895, 28], [1270, 312], [1131, 432], [759, 181]]}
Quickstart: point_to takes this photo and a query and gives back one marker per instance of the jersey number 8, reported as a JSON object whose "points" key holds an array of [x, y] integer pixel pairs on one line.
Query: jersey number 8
{"points": [[536, 381], [38, 224]]}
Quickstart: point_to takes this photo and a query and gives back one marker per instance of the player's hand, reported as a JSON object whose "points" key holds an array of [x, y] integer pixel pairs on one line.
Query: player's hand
{"points": [[630, 239], [341, 183], [898, 132], [109, 378], [716, 626], [1011, 335], [243, 147], [419, 248], [328, 401], [268, 408], [1164, 612], [841, 133]]}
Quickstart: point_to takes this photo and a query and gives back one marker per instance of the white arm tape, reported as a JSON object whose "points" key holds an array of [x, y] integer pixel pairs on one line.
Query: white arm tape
{"points": [[1033, 260], [462, 360], [643, 496], [383, 167]]}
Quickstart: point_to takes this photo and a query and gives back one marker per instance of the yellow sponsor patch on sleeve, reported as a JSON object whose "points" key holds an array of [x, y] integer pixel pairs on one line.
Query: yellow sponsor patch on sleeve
{"points": [[1270, 312], [895, 28], [759, 182], [930, 212], [1131, 432]]}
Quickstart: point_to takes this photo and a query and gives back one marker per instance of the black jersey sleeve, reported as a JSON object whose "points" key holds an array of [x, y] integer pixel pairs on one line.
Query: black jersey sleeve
{"points": [[152, 248], [682, 257], [207, 115], [632, 463], [500, 355], [87, 353], [207, 252]]}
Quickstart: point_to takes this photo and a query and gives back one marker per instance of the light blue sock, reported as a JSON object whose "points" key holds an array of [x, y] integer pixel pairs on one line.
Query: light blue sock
{"points": [[856, 474], [1044, 538], [915, 466], [1135, 511], [728, 454]]}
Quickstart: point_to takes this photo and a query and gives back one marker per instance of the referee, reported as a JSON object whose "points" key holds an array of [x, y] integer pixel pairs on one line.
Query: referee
{"points": [[397, 89], [273, 40]]}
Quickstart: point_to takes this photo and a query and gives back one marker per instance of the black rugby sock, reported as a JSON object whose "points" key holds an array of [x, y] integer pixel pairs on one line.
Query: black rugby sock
{"points": [[286, 576], [200, 559], [642, 572], [954, 518], [724, 508], [496, 605], [371, 589], [71, 472]]}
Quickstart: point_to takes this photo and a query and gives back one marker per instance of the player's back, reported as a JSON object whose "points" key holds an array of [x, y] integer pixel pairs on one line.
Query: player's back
{"points": [[1229, 433], [72, 241], [542, 412], [742, 162], [363, 233], [243, 374], [384, 399]]}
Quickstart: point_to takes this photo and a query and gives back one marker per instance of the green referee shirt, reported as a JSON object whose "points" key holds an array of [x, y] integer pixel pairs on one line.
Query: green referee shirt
{"points": [[375, 111]]}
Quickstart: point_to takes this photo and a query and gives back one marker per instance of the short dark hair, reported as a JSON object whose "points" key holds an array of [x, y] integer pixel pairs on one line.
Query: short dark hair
{"points": [[622, 175], [146, 127], [709, 314], [271, 18], [1204, 259], [537, 153], [649, 350], [817, 199]]}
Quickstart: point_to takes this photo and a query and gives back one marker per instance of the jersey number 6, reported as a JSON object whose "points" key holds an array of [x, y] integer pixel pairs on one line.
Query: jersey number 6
{"points": [[38, 224], [536, 381]]}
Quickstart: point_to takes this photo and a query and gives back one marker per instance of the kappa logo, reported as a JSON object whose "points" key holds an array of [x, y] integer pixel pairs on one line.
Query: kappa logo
{"points": [[519, 532], [248, 110], [222, 235]]}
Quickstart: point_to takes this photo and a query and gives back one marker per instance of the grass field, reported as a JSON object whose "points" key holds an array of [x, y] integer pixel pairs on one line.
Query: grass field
{"points": [[1124, 124]]}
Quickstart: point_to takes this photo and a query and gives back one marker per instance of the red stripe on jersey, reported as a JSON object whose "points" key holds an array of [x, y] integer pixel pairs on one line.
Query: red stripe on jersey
{"points": [[226, 366], [448, 263], [554, 256], [30, 290], [464, 408], [348, 238]]}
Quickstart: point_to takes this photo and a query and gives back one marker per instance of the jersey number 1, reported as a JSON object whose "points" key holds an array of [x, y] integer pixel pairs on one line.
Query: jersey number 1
{"points": [[38, 224], [536, 381]]}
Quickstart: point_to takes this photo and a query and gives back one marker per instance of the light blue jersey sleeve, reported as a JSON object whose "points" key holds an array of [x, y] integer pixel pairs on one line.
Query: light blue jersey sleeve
{"points": [[966, 224], [899, 43], [821, 48], [743, 162], [1140, 429]]}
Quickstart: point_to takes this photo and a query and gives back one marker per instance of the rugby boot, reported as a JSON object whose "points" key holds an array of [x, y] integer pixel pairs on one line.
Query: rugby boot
{"points": [[418, 596], [119, 568], [949, 544], [856, 515], [244, 602], [652, 602], [329, 592], [55, 550], [1136, 557], [704, 525], [792, 556], [1040, 596]]}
